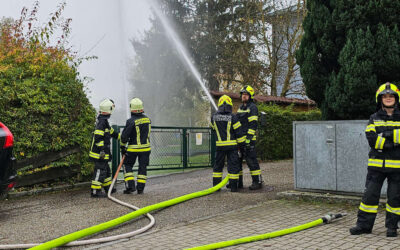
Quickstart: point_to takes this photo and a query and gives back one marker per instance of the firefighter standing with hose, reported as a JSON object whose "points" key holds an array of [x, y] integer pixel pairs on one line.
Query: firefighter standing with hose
{"points": [[227, 128], [135, 143], [383, 134], [248, 117], [100, 150]]}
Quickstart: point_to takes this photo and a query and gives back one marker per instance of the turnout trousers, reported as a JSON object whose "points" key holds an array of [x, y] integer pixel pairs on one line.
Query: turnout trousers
{"points": [[101, 177], [144, 159], [250, 156], [233, 167], [370, 201]]}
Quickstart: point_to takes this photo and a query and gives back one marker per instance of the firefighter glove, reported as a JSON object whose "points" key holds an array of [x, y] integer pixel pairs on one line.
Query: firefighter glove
{"points": [[123, 150], [102, 154]]}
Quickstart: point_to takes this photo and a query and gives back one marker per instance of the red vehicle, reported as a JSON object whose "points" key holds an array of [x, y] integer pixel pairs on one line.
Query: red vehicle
{"points": [[7, 161]]}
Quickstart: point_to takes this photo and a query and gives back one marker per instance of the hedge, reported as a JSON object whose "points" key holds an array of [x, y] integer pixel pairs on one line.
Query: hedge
{"points": [[275, 139], [43, 99]]}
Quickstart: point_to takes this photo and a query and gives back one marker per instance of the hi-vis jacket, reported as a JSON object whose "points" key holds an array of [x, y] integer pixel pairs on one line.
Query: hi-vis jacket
{"points": [[383, 134], [248, 117], [228, 130], [101, 139], [137, 133]]}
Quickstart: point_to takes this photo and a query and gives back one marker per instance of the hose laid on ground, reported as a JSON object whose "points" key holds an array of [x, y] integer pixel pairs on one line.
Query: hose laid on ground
{"points": [[99, 240], [115, 222], [326, 219]]}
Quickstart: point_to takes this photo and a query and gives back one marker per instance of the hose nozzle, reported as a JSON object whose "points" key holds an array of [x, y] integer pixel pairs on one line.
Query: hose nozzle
{"points": [[330, 217]]}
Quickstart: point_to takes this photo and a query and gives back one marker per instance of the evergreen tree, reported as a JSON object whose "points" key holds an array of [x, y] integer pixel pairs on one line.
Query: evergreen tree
{"points": [[349, 48]]}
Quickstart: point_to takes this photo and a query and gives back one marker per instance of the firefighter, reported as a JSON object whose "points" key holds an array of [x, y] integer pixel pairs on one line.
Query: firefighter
{"points": [[383, 134], [248, 117], [227, 129], [100, 150], [135, 143]]}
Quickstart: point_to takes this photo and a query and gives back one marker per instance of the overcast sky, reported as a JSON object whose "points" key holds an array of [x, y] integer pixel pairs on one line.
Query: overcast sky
{"points": [[101, 28]]}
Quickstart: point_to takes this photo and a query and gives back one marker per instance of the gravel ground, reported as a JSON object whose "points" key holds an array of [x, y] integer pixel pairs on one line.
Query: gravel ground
{"points": [[47, 216]]}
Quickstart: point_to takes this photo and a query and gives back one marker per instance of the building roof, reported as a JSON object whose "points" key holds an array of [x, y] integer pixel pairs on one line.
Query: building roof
{"points": [[267, 98]]}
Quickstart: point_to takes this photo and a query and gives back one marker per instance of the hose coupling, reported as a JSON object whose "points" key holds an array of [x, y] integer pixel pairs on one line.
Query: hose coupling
{"points": [[330, 217]]}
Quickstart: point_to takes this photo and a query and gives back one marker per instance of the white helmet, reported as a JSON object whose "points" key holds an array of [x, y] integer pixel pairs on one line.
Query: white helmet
{"points": [[107, 106], [136, 105]]}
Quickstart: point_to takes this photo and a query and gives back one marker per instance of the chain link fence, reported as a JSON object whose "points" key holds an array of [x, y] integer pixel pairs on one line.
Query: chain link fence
{"points": [[174, 148]]}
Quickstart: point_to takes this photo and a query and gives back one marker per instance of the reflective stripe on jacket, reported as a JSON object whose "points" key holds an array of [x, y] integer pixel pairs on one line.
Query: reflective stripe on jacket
{"points": [[102, 138], [248, 117], [136, 134], [383, 135], [228, 130]]}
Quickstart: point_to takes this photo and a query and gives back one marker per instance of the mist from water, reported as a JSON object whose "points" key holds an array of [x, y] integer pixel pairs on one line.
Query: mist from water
{"points": [[181, 49]]}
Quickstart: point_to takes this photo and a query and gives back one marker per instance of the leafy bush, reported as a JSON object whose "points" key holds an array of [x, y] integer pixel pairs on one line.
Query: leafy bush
{"points": [[42, 100], [275, 140]]}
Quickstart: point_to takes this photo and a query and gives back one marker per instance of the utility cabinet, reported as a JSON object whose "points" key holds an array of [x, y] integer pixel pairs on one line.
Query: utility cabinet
{"points": [[331, 156]]}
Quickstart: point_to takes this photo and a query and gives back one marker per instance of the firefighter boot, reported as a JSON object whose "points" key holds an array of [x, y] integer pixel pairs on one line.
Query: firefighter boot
{"points": [[391, 232], [240, 183], [97, 194], [256, 182], [130, 187], [358, 230], [140, 187], [107, 188], [216, 181], [233, 185]]}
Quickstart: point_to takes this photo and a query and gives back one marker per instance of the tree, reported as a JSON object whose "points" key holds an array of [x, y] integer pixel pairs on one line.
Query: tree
{"points": [[349, 48], [43, 97]]}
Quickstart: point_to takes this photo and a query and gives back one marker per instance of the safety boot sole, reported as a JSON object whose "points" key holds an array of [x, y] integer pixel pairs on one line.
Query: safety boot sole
{"points": [[357, 231]]}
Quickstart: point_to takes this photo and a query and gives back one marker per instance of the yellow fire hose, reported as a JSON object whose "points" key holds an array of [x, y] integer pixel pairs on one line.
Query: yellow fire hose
{"points": [[326, 219], [115, 222]]}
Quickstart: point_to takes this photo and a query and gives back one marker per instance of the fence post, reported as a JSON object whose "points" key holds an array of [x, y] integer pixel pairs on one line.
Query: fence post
{"points": [[115, 152], [184, 148], [213, 147]]}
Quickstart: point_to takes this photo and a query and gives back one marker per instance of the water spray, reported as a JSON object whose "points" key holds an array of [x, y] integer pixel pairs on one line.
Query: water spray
{"points": [[181, 49]]}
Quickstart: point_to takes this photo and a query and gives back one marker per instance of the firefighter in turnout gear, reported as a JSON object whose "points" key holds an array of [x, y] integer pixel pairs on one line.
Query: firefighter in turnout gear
{"points": [[383, 134], [227, 129], [248, 117], [135, 143], [100, 150]]}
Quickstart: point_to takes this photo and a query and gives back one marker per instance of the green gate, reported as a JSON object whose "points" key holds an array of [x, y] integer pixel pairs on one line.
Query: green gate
{"points": [[174, 148]]}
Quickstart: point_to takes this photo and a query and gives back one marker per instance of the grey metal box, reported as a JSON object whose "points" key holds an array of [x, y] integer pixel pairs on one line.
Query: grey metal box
{"points": [[331, 155]]}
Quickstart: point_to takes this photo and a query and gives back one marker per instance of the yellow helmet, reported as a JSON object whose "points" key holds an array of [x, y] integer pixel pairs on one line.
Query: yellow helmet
{"points": [[387, 88], [225, 99], [248, 90], [107, 106], [136, 105]]}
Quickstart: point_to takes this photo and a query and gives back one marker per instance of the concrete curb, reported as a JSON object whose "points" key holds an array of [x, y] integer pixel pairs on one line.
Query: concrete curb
{"points": [[322, 197], [47, 190]]}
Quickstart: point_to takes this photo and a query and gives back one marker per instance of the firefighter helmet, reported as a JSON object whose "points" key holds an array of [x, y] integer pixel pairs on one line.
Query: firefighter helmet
{"points": [[107, 106], [225, 104], [387, 88], [248, 90], [224, 100], [136, 105]]}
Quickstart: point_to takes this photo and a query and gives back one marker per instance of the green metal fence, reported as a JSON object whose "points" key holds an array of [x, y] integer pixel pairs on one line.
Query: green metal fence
{"points": [[174, 148]]}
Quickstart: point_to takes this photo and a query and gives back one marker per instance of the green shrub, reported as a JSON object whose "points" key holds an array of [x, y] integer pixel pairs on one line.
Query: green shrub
{"points": [[275, 140], [42, 100]]}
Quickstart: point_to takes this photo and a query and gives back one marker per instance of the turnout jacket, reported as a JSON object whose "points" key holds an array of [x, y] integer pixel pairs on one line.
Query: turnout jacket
{"points": [[248, 117], [136, 134], [383, 134], [228, 131], [101, 139]]}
